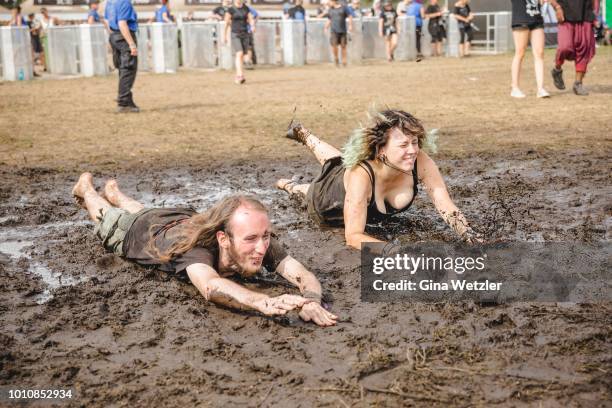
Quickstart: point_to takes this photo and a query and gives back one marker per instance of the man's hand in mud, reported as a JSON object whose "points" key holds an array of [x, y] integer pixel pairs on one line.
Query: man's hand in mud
{"points": [[279, 305], [314, 312]]}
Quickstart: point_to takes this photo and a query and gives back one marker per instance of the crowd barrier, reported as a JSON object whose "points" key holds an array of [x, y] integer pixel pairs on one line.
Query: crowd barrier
{"points": [[198, 42], [83, 49], [15, 54], [93, 49], [293, 42], [63, 52]]}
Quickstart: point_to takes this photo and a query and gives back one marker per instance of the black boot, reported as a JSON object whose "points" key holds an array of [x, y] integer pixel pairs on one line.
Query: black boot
{"points": [[557, 75]]}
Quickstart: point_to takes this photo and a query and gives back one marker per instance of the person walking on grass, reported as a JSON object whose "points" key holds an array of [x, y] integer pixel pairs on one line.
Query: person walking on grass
{"points": [[338, 15], [528, 26], [237, 20], [575, 39]]}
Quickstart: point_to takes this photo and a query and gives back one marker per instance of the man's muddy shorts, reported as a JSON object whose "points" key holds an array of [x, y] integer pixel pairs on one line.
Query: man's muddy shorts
{"points": [[337, 39], [113, 227]]}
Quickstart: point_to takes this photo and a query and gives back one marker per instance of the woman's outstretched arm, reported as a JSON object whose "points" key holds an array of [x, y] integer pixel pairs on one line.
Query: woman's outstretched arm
{"points": [[438, 193], [358, 189]]}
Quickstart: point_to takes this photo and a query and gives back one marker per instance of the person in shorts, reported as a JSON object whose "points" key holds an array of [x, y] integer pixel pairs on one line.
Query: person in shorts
{"points": [[463, 14], [435, 27], [528, 26], [232, 238], [238, 19], [388, 28], [337, 16]]}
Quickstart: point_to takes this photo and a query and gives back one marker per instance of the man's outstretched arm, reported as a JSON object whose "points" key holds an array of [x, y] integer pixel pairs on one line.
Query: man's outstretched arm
{"points": [[310, 288], [225, 292]]}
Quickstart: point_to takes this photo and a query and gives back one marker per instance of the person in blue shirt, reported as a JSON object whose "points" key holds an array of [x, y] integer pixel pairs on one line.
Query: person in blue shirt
{"points": [[297, 12], [92, 16], [416, 9], [355, 9], [163, 15], [122, 22]]}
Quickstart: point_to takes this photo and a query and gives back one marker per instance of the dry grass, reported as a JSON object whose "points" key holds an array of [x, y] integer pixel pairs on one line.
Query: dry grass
{"points": [[202, 117]]}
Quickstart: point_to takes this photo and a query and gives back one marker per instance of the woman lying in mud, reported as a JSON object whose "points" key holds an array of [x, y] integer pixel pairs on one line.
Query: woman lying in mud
{"points": [[376, 177], [233, 237]]}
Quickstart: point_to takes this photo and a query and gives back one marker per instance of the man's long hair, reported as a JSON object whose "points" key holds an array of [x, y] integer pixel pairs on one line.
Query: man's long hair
{"points": [[201, 229]]}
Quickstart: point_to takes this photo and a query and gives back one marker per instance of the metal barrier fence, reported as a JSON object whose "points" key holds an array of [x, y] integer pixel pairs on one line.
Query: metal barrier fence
{"points": [[15, 53], [164, 45], [93, 49], [83, 49], [198, 44], [64, 44], [406, 42], [317, 42], [293, 42]]}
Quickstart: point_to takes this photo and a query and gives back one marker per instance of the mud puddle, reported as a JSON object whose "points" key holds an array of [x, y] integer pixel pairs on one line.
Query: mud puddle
{"points": [[154, 335]]}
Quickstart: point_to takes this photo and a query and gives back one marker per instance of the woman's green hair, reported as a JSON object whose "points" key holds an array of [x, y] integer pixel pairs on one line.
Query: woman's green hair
{"points": [[365, 142]]}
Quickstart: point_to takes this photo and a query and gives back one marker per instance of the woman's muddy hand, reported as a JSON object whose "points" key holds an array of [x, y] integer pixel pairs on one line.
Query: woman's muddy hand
{"points": [[279, 305], [314, 312], [472, 237]]}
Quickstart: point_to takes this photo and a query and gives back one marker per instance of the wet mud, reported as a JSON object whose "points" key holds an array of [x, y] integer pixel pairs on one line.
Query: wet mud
{"points": [[74, 316]]}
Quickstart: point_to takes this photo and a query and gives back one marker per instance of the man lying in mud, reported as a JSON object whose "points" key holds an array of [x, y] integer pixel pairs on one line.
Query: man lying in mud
{"points": [[232, 237]]}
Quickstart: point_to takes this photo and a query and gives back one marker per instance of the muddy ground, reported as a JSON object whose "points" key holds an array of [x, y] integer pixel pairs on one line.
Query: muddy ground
{"points": [[73, 316]]}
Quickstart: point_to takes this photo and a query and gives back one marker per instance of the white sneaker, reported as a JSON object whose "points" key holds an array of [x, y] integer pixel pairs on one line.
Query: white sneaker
{"points": [[542, 93], [517, 93]]}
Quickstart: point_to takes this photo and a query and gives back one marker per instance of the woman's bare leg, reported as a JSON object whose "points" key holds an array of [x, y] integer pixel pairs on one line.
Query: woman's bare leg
{"points": [[537, 47], [323, 151], [521, 40], [84, 191], [119, 199]]}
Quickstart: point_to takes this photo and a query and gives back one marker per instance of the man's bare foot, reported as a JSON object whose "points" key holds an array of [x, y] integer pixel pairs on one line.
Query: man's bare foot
{"points": [[111, 189], [82, 186]]}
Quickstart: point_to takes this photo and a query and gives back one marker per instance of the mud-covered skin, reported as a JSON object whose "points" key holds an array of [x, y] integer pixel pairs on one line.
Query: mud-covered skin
{"points": [[128, 335]]}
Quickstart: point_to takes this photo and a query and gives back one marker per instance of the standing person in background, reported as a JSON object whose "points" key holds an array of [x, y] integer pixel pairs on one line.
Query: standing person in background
{"points": [[388, 28], [402, 6], [218, 12], [251, 57], [337, 17], [435, 27], [375, 10], [527, 24], [17, 19], [92, 16], [34, 26], [286, 7], [463, 14], [46, 21], [323, 9], [237, 19], [575, 39], [355, 9], [297, 12], [122, 21], [162, 14], [416, 10]]}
